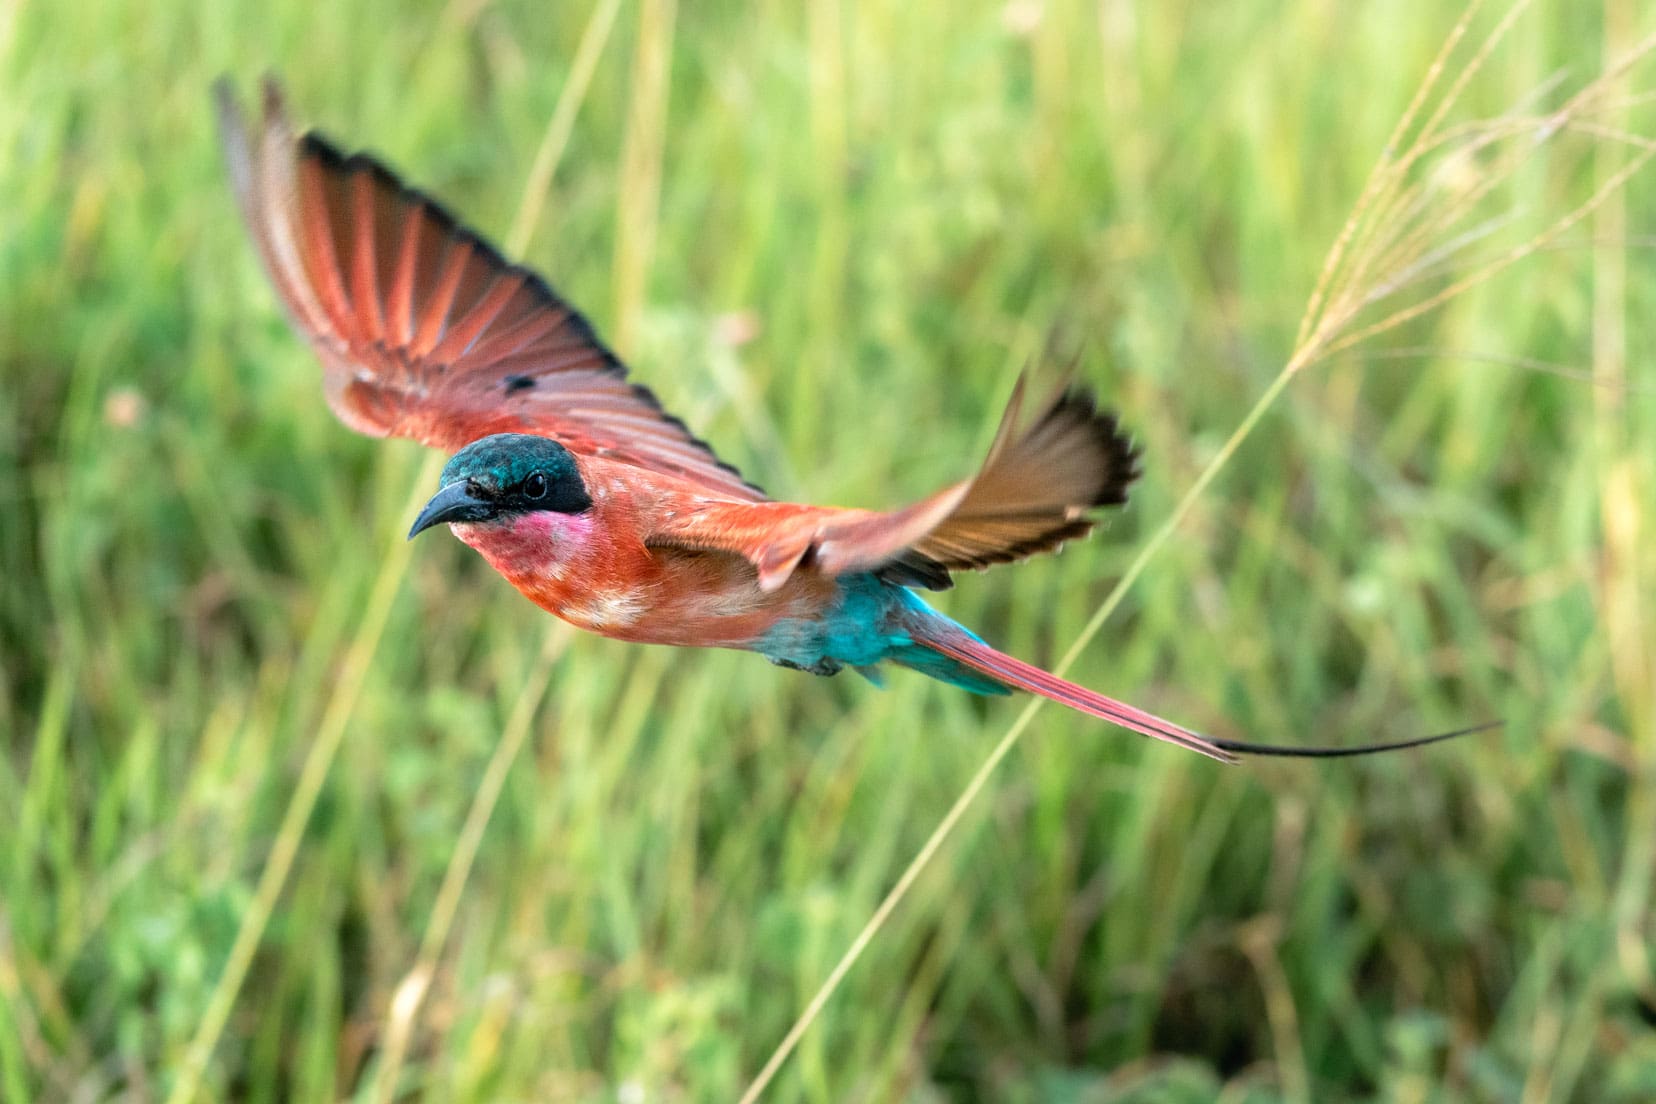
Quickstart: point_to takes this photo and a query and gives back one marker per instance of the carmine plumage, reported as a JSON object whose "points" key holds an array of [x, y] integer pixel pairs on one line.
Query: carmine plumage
{"points": [[605, 510]]}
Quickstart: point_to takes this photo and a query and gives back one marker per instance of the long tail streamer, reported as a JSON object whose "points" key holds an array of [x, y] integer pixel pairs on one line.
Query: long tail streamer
{"points": [[1017, 674], [1286, 751]]}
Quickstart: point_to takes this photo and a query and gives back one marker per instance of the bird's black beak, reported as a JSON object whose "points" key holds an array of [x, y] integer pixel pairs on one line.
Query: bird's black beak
{"points": [[455, 502]]}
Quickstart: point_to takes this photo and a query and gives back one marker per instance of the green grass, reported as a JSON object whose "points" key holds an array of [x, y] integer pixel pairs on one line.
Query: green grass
{"points": [[904, 200]]}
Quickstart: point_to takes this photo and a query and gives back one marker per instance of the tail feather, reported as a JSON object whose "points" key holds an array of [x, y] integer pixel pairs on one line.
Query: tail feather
{"points": [[947, 639], [963, 648], [1287, 751]]}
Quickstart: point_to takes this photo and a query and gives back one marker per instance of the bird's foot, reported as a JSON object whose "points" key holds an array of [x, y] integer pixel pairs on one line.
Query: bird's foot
{"points": [[820, 667]]}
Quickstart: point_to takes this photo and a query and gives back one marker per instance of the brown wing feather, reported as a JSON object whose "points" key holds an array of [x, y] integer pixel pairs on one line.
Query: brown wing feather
{"points": [[1036, 488], [1034, 492], [423, 329]]}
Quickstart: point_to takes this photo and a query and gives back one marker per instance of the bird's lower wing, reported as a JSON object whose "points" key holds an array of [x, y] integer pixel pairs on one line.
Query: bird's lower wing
{"points": [[1036, 490]]}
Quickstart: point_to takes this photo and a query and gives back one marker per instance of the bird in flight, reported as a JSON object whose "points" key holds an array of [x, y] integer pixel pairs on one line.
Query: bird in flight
{"points": [[607, 511]]}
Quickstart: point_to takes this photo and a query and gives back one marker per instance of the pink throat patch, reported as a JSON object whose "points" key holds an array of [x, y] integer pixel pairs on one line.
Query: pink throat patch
{"points": [[530, 541]]}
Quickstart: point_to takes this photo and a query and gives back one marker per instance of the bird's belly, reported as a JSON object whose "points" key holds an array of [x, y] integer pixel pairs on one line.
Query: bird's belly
{"points": [[647, 615], [611, 611], [656, 596], [696, 601]]}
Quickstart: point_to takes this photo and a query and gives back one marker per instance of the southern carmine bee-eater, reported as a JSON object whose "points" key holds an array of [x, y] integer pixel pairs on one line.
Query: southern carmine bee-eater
{"points": [[604, 509]]}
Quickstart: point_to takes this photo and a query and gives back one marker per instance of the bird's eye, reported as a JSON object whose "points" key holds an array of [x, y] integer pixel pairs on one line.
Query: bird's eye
{"points": [[534, 488]]}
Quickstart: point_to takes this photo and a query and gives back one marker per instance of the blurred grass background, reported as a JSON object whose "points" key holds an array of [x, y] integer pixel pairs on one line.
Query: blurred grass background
{"points": [[829, 235]]}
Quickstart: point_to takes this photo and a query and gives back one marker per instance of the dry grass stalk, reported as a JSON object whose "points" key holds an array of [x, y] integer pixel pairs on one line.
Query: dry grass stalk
{"points": [[1411, 222]]}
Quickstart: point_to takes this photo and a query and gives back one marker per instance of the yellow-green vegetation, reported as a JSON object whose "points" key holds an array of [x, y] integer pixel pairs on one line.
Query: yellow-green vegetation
{"points": [[296, 811]]}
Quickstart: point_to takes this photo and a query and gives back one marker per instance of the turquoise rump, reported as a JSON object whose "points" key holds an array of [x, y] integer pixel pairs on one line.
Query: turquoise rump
{"points": [[871, 623]]}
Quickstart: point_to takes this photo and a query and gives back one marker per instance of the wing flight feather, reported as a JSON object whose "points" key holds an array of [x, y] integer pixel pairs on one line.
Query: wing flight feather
{"points": [[423, 329], [1037, 488]]}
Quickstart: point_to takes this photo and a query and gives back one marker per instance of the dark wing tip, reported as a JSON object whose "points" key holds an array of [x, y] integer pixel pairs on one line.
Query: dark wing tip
{"points": [[275, 100], [244, 147], [1077, 406], [1092, 443], [272, 100], [333, 154], [912, 569]]}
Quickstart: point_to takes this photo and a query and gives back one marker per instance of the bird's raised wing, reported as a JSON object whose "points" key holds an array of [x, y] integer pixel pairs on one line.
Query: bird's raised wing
{"points": [[423, 329], [1036, 490]]}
